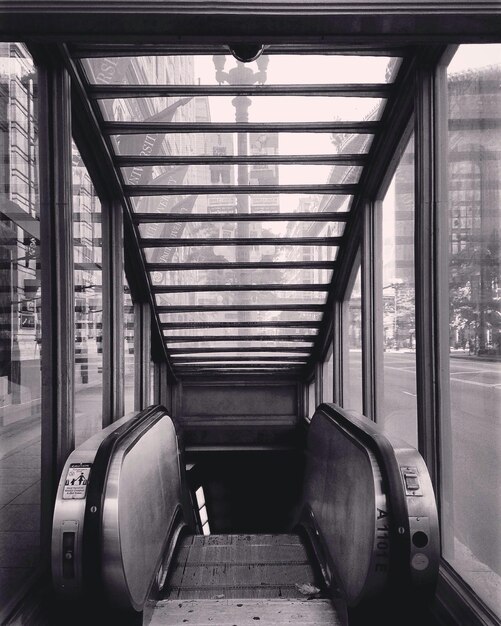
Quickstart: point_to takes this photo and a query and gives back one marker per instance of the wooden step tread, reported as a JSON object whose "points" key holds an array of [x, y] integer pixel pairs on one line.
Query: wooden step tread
{"points": [[242, 612], [239, 566], [207, 541]]}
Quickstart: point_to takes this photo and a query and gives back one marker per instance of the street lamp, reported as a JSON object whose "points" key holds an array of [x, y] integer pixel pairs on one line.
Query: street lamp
{"points": [[241, 75]]}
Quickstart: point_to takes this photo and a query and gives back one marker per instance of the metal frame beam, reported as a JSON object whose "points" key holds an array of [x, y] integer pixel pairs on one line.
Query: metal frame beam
{"points": [[57, 279], [135, 128], [254, 265], [220, 308], [224, 359], [264, 324], [251, 159], [194, 190], [253, 287], [161, 218], [113, 312], [189, 242], [175, 352], [215, 338], [357, 90]]}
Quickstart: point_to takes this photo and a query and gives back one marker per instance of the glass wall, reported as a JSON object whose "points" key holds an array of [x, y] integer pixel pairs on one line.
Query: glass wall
{"points": [[129, 365], [20, 329], [328, 378], [352, 350], [399, 410], [471, 439], [88, 303]]}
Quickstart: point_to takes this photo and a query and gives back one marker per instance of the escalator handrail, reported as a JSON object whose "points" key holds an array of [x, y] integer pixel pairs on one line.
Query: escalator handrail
{"points": [[91, 536], [369, 434]]}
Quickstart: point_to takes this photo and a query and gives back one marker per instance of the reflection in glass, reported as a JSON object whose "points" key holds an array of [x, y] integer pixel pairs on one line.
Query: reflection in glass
{"points": [[20, 318], [244, 363], [88, 304], [231, 354], [399, 414], [253, 230], [229, 203], [241, 297], [251, 343], [280, 253], [471, 440], [129, 354], [240, 331], [229, 277], [233, 316], [284, 69], [221, 144], [258, 175], [262, 109], [352, 337]]}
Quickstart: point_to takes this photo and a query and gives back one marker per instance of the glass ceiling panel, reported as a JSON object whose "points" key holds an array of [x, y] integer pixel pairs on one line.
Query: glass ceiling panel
{"points": [[235, 316], [246, 253], [240, 331], [256, 175], [229, 362], [231, 354], [251, 343], [262, 109], [230, 230], [230, 203], [220, 144], [242, 369], [241, 297], [241, 277], [199, 92], [280, 69]]}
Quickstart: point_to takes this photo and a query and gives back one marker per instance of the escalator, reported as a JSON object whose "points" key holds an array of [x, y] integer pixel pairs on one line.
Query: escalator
{"points": [[242, 579], [130, 545]]}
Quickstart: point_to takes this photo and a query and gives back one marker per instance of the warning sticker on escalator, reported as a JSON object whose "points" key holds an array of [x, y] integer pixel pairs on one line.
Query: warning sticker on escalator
{"points": [[77, 479]]}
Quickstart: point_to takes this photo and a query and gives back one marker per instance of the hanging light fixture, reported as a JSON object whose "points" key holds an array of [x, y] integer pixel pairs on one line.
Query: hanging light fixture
{"points": [[246, 52]]}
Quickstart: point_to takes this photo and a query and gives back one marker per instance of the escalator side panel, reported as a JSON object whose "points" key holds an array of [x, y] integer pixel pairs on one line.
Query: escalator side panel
{"points": [[69, 516], [424, 556], [142, 500], [344, 496]]}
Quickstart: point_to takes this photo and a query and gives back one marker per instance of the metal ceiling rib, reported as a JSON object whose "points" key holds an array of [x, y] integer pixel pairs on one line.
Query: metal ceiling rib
{"points": [[203, 232]]}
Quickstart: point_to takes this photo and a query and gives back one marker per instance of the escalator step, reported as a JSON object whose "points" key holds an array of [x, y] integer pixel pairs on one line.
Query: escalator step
{"points": [[241, 612], [239, 566]]}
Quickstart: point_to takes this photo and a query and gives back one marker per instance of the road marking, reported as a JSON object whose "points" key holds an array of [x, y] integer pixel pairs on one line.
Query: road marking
{"points": [[473, 382]]}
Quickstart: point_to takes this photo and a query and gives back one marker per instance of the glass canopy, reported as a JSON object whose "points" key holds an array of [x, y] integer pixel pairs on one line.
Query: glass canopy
{"points": [[242, 180]]}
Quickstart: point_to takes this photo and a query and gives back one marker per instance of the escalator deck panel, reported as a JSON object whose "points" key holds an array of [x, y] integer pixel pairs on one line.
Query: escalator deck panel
{"points": [[241, 612]]}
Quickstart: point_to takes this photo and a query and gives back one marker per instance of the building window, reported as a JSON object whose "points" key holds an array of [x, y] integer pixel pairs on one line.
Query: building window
{"points": [[470, 438], [20, 322], [352, 350], [88, 303], [399, 410]]}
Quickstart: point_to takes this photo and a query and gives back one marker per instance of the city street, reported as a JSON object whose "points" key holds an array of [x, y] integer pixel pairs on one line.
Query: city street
{"points": [[470, 490]]}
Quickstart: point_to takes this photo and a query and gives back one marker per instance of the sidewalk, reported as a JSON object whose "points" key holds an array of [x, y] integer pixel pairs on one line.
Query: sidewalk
{"points": [[488, 358]]}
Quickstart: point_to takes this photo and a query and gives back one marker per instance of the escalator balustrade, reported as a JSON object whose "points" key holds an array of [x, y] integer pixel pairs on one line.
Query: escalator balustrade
{"points": [[126, 535]]}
